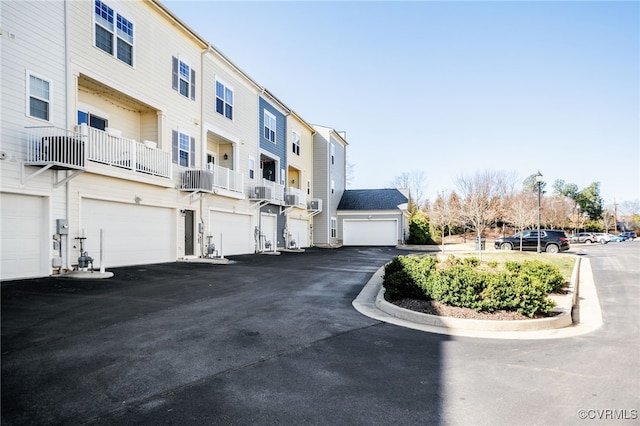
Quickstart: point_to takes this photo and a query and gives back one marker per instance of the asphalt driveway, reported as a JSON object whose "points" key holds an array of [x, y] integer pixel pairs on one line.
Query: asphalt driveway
{"points": [[274, 340]]}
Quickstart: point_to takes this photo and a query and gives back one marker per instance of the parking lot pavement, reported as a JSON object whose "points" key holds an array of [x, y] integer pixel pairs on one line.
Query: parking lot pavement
{"points": [[75, 349], [274, 340]]}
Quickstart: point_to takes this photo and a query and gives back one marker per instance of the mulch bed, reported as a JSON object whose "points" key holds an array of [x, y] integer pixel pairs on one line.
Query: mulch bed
{"points": [[433, 307]]}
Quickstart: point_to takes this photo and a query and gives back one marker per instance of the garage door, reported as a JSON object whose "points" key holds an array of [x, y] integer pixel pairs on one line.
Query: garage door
{"points": [[232, 233], [370, 232], [133, 234], [269, 223], [24, 249], [299, 231]]}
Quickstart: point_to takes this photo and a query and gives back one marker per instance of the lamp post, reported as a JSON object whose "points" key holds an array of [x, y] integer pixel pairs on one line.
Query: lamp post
{"points": [[539, 183]]}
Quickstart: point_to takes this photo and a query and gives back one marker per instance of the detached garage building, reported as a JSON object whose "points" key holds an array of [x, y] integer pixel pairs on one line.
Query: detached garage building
{"points": [[372, 217]]}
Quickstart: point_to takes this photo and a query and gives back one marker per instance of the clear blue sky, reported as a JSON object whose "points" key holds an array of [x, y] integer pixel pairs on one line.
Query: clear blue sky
{"points": [[451, 88]]}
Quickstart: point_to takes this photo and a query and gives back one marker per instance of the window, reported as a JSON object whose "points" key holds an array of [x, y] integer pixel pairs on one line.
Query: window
{"points": [[92, 120], [39, 93], [308, 187], [183, 147], [211, 159], [333, 186], [252, 167], [334, 227], [114, 33], [183, 78], [333, 154], [295, 143], [224, 100], [269, 126]]}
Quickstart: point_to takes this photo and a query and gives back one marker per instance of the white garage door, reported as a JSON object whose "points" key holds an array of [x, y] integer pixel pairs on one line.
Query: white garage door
{"points": [[133, 234], [298, 229], [232, 233], [269, 224], [382, 232], [23, 252]]}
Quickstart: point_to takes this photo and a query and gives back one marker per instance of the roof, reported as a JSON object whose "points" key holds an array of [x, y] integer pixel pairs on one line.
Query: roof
{"points": [[372, 199]]}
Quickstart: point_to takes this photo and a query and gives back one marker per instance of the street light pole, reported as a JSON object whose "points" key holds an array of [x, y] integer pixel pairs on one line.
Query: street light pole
{"points": [[539, 183]]}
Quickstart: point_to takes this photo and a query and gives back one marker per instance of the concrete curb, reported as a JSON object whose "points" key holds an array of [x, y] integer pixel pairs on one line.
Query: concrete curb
{"points": [[370, 302]]}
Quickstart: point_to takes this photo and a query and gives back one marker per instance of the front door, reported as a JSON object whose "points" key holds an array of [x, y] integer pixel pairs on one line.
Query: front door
{"points": [[188, 233]]}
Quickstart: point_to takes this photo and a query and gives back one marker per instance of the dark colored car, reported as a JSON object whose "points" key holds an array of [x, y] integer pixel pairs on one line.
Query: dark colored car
{"points": [[551, 241], [628, 235], [584, 237]]}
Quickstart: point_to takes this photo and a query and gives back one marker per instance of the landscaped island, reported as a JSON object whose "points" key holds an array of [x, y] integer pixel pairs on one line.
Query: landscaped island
{"points": [[500, 286]]}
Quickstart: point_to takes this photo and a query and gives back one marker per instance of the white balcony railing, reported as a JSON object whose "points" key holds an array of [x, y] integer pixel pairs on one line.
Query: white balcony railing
{"points": [[268, 190], [213, 177], [227, 179], [52, 145], [296, 197], [126, 153]]}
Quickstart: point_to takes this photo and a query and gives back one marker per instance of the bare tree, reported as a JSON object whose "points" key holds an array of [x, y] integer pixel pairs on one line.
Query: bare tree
{"points": [[443, 213], [557, 211], [521, 210], [415, 181], [481, 195]]}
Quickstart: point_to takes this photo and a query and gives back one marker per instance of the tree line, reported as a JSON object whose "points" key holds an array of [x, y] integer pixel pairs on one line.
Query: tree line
{"points": [[493, 198]]}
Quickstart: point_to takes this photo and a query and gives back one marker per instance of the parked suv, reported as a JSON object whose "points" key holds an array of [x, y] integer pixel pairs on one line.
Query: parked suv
{"points": [[584, 237], [628, 235], [551, 241]]}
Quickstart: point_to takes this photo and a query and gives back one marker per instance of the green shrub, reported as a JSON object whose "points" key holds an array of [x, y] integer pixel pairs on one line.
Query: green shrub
{"points": [[419, 232], [402, 275], [546, 274], [521, 287], [492, 264]]}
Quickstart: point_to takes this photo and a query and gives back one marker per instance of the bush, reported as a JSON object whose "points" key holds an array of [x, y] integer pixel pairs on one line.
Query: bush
{"points": [[419, 232], [521, 286], [401, 277]]}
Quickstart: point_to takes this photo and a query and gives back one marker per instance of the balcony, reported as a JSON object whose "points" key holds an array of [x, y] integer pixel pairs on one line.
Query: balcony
{"points": [[296, 197], [212, 178], [111, 149], [57, 148], [267, 190]]}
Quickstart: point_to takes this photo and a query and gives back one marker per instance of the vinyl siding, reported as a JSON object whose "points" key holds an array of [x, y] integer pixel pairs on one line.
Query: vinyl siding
{"points": [[40, 49], [278, 149]]}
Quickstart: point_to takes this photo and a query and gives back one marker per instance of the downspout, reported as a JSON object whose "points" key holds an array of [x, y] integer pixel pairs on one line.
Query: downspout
{"points": [[203, 147], [67, 100]]}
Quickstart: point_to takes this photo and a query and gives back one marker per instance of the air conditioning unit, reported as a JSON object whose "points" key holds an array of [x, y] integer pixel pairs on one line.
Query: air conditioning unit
{"points": [[262, 193], [197, 180], [315, 205], [291, 199]]}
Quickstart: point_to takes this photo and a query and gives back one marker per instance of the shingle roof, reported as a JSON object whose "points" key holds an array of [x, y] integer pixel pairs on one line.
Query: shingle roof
{"points": [[371, 199]]}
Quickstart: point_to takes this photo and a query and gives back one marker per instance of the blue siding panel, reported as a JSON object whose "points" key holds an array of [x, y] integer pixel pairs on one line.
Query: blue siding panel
{"points": [[279, 149]]}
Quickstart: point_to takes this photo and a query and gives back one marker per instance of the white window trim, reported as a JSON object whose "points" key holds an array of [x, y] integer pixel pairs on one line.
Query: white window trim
{"points": [[27, 110], [275, 122], [188, 150], [296, 140], [252, 167], [115, 33], [181, 77], [224, 100], [333, 227]]}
